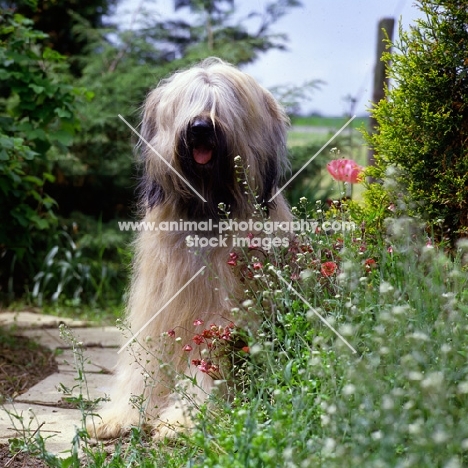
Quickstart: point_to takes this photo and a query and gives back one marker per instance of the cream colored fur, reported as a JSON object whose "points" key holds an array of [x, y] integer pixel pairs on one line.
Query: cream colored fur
{"points": [[151, 367]]}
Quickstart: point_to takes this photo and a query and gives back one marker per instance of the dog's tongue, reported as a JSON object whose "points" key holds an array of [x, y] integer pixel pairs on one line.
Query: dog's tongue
{"points": [[202, 155]]}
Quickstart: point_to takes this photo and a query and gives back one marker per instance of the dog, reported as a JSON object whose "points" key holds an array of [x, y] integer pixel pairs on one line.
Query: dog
{"points": [[199, 128]]}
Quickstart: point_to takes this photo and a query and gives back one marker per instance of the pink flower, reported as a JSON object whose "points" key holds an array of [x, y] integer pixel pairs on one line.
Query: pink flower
{"points": [[188, 348], [257, 266], [328, 268], [197, 322], [345, 170], [232, 259], [171, 333]]}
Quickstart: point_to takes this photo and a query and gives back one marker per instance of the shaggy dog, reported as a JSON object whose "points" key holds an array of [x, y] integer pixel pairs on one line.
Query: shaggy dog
{"points": [[198, 122]]}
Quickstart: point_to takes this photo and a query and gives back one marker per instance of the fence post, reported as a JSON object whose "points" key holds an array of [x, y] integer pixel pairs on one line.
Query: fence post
{"points": [[385, 29]]}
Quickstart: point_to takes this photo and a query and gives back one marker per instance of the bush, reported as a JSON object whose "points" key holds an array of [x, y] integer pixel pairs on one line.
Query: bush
{"points": [[423, 123], [37, 114]]}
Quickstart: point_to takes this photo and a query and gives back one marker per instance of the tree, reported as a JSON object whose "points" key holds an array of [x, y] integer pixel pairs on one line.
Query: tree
{"points": [[423, 122], [59, 20], [217, 30]]}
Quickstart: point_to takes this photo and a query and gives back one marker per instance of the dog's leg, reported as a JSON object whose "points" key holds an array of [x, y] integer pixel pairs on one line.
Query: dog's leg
{"points": [[118, 415], [179, 414]]}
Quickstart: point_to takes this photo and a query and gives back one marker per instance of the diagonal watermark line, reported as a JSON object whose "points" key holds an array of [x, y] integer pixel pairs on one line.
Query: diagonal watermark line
{"points": [[161, 309], [316, 313], [162, 159], [312, 158]]}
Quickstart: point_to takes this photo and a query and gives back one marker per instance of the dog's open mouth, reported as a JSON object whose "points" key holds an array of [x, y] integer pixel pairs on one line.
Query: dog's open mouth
{"points": [[202, 140], [202, 154]]}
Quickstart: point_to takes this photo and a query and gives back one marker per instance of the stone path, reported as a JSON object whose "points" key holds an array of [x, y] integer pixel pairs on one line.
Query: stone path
{"points": [[44, 402]]}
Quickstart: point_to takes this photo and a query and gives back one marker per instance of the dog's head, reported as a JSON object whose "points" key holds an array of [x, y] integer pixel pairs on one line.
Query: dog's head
{"points": [[196, 123]]}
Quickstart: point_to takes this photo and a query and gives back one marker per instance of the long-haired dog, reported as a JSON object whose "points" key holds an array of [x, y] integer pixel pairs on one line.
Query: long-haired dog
{"points": [[197, 122]]}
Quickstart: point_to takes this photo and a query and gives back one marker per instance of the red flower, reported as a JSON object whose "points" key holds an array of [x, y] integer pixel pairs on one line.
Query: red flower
{"points": [[328, 268], [246, 349], [345, 170], [171, 333], [369, 264], [198, 339], [207, 334], [188, 348], [207, 367]]}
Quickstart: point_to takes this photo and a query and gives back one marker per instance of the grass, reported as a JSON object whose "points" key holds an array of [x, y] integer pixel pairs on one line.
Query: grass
{"points": [[328, 122], [303, 398]]}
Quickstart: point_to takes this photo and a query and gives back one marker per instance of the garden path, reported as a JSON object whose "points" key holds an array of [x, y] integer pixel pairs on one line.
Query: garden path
{"points": [[46, 405]]}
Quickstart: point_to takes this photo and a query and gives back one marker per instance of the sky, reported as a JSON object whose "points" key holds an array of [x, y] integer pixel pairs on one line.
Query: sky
{"points": [[329, 40]]}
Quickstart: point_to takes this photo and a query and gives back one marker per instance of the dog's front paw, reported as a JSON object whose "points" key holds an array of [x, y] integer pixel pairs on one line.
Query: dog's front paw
{"points": [[173, 422], [109, 426]]}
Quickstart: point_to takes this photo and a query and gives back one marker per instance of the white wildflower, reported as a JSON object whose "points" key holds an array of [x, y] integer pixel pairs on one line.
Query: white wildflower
{"points": [[385, 287]]}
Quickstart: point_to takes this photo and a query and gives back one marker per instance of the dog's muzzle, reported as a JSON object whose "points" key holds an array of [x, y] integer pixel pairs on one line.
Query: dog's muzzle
{"points": [[202, 140]]}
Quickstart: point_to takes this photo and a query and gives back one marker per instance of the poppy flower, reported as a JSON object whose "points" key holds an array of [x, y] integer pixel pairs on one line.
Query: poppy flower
{"points": [[345, 170]]}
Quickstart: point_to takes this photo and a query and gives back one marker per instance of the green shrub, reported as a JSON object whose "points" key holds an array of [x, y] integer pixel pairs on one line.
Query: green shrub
{"points": [[423, 123], [37, 115]]}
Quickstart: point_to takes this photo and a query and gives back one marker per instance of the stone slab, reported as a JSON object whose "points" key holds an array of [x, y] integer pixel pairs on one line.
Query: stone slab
{"points": [[96, 360], [29, 319], [59, 426], [100, 337], [48, 391]]}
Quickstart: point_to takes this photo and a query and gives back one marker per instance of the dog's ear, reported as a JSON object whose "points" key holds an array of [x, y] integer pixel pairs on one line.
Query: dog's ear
{"points": [[151, 193], [270, 182]]}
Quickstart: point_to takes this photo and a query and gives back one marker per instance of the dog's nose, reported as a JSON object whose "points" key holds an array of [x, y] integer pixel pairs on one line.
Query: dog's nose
{"points": [[201, 124]]}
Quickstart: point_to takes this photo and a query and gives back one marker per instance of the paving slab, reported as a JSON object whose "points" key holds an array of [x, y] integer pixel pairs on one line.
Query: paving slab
{"points": [[96, 360], [29, 319], [49, 391], [59, 426], [99, 337], [47, 400]]}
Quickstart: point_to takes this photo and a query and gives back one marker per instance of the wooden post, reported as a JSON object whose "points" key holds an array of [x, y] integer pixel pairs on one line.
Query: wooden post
{"points": [[385, 29]]}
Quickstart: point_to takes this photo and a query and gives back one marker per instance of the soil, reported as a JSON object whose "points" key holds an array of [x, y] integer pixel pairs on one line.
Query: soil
{"points": [[23, 363]]}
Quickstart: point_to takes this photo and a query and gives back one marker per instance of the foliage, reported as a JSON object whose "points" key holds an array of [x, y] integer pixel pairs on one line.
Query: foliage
{"points": [[293, 96], [216, 31], [37, 111], [423, 123], [84, 268], [58, 19], [308, 183]]}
